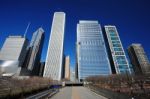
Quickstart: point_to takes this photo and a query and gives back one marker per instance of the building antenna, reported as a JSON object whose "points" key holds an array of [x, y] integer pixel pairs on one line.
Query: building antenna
{"points": [[26, 29]]}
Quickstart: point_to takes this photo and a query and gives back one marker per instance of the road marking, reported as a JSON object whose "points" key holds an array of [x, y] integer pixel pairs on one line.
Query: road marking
{"points": [[75, 94]]}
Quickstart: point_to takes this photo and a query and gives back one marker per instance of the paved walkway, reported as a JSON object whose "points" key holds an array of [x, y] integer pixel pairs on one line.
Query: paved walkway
{"points": [[76, 93]]}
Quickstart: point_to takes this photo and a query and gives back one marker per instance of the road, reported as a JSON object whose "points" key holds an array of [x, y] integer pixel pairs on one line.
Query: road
{"points": [[76, 93]]}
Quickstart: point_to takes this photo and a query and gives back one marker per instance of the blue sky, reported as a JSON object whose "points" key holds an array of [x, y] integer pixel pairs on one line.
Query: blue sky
{"points": [[131, 17]]}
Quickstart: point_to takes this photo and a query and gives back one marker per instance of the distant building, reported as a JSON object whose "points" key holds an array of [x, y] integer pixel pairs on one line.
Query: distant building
{"points": [[54, 58], [72, 76], [12, 54], [76, 63], [116, 52], [34, 52], [92, 58], [67, 68], [139, 59], [42, 65]]}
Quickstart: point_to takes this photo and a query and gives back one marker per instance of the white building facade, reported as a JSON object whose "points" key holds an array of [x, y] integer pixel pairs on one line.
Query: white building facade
{"points": [[13, 53], [54, 59]]}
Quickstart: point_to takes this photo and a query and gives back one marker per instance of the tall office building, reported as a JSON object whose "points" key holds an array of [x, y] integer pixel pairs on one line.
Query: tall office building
{"points": [[92, 58], [34, 52], [12, 54], [117, 55], [139, 59], [54, 59], [67, 68]]}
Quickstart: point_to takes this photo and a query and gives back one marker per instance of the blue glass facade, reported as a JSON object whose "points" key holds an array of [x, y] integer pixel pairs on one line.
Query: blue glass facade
{"points": [[117, 52], [92, 57]]}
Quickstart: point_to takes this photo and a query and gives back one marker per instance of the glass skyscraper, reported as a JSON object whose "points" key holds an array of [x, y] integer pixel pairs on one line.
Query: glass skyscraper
{"points": [[54, 59], [92, 58], [34, 53], [119, 60]]}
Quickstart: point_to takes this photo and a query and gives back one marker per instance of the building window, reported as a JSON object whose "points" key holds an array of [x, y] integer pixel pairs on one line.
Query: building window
{"points": [[117, 49], [119, 53], [115, 42], [114, 38], [122, 66], [113, 34], [121, 60], [116, 45]]}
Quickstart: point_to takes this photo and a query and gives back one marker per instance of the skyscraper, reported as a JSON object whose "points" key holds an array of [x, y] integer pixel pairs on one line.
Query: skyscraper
{"points": [[12, 54], [54, 59], [117, 55], [34, 52], [92, 59], [139, 59], [67, 68]]}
